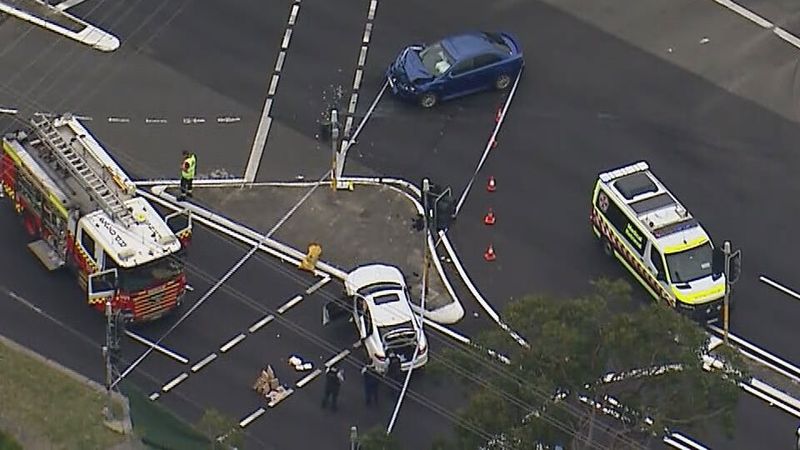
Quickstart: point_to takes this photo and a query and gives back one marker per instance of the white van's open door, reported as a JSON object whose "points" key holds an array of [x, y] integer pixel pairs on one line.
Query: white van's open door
{"points": [[102, 285]]}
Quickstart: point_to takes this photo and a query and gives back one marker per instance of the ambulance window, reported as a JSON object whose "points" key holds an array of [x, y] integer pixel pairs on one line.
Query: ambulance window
{"points": [[88, 243], [658, 262]]}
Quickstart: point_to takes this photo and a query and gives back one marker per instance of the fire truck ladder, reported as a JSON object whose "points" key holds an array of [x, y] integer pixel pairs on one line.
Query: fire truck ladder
{"points": [[108, 195]]}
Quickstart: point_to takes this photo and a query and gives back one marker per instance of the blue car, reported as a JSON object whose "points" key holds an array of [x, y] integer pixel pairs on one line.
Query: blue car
{"points": [[455, 66]]}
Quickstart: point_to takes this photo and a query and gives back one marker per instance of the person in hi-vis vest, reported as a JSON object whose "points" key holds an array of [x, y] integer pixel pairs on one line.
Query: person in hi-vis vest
{"points": [[188, 168]]}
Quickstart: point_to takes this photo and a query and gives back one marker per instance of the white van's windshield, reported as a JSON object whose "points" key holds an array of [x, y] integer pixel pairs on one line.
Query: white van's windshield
{"points": [[690, 265]]}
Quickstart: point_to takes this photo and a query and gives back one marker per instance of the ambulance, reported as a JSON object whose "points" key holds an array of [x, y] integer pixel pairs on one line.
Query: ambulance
{"points": [[641, 224], [81, 212]]}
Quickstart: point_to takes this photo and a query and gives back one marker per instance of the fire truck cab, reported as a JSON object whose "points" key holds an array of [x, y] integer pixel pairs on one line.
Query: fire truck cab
{"points": [[82, 212]]}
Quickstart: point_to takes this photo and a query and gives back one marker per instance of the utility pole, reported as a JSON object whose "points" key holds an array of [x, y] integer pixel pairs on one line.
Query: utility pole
{"points": [[111, 352], [334, 148], [354, 438], [733, 263]]}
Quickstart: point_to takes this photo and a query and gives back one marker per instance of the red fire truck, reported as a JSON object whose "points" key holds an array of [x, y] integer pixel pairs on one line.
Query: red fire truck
{"points": [[82, 213]]}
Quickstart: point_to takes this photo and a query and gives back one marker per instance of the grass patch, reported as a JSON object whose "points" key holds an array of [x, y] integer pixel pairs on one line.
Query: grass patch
{"points": [[8, 443], [44, 402]]}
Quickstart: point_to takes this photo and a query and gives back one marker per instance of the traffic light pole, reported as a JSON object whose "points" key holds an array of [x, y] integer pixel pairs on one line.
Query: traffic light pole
{"points": [[426, 187], [726, 300], [334, 148]]}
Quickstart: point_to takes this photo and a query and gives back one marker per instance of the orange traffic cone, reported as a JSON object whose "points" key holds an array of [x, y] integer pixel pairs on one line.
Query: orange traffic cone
{"points": [[491, 186], [489, 218], [489, 254], [499, 115]]}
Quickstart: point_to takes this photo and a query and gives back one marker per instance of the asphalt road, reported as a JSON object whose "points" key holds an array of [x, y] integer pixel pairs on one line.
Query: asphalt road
{"points": [[601, 90], [605, 84]]}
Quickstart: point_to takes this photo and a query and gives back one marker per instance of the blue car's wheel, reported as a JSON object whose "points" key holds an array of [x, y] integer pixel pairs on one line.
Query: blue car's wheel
{"points": [[502, 82], [428, 100]]}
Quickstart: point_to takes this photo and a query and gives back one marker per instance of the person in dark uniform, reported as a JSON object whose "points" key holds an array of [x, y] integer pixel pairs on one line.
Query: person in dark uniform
{"points": [[371, 382], [333, 381], [394, 374]]}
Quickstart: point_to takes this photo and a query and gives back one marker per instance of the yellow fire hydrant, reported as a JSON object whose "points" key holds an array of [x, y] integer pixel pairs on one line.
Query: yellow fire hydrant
{"points": [[310, 261]]}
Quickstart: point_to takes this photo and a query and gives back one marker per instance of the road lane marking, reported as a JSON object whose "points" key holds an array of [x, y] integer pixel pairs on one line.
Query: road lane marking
{"points": [[779, 287], [367, 33], [154, 396], [159, 348], [229, 345], [273, 85], [175, 381], [8, 110], [249, 419], [295, 300], [307, 379], [189, 288], [113, 119], [343, 354], [293, 14], [362, 56], [265, 122], [287, 36], [362, 60], [275, 402], [204, 362], [67, 4], [760, 21], [279, 63], [257, 326], [316, 286]]}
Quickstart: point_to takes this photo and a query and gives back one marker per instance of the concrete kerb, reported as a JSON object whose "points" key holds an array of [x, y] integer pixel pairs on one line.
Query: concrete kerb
{"points": [[450, 313], [123, 426]]}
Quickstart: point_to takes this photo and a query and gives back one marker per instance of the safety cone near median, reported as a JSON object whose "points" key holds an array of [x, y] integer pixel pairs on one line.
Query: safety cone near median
{"points": [[491, 186], [489, 254], [489, 218]]}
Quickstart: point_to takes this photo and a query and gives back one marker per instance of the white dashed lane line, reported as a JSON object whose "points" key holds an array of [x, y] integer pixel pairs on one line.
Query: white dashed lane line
{"points": [[362, 60], [203, 362], [148, 120], [760, 21], [265, 121], [229, 345], [288, 305], [232, 342]]}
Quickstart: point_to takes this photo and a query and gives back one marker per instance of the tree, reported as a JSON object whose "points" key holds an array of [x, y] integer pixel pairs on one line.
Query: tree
{"points": [[213, 424], [644, 363], [377, 439]]}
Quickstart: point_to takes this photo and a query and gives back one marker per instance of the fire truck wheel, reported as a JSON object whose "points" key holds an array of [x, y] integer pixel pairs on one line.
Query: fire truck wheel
{"points": [[608, 249], [30, 224]]}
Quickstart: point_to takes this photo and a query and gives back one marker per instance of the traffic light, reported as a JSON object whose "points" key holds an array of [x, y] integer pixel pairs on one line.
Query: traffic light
{"points": [[445, 212], [441, 207]]}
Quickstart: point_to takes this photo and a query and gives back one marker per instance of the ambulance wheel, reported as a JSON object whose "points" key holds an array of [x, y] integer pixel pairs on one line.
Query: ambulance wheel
{"points": [[608, 249]]}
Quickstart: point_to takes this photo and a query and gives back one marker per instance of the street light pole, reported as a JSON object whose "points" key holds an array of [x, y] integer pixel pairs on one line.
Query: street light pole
{"points": [[353, 438], [334, 147], [426, 187]]}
